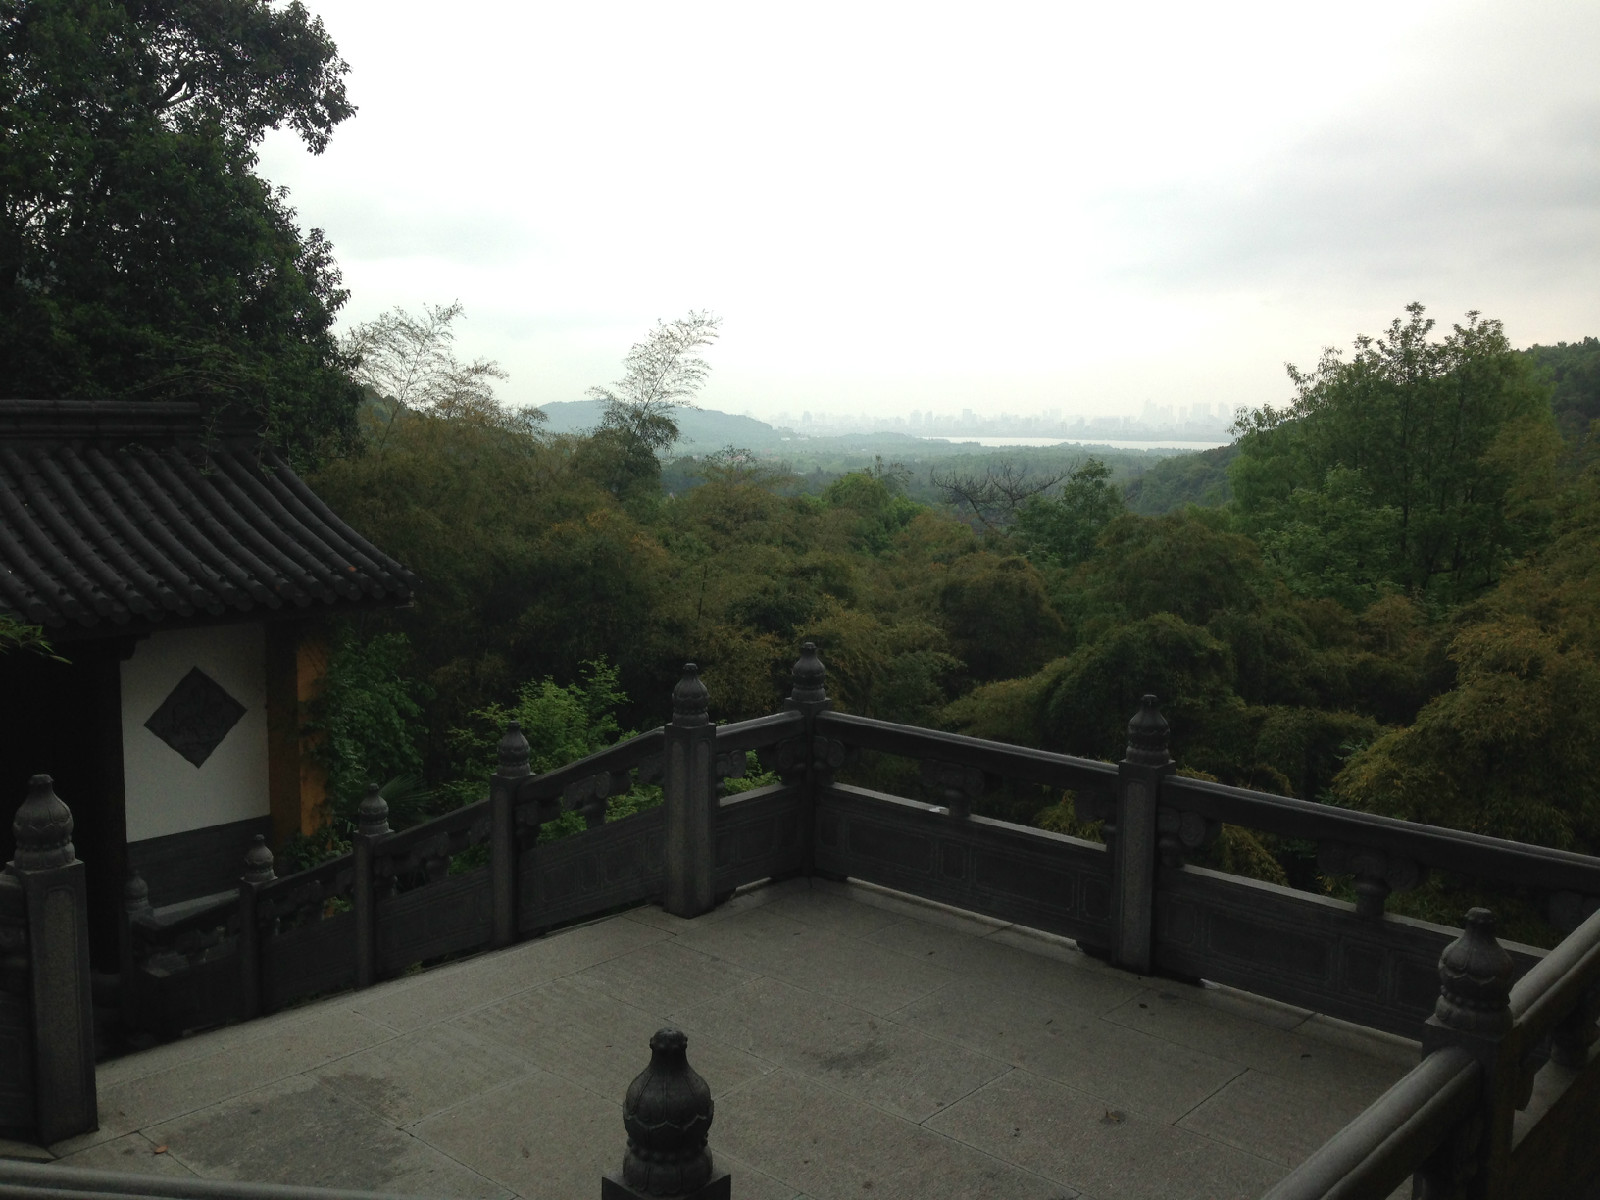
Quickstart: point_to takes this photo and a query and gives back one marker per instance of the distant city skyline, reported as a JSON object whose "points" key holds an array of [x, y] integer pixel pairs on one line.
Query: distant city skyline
{"points": [[1023, 206]]}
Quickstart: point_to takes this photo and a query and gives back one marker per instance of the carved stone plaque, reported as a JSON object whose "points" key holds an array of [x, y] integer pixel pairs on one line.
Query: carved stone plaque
{"points": [[196, 716]]}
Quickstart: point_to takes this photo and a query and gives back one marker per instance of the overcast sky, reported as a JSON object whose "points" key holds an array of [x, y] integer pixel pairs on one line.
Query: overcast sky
{"points": [[995, 206]]}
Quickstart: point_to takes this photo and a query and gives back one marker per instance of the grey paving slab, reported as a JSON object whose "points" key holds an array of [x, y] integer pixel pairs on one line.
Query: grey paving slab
{"points": [[1046, 1031], [830, 1146], [835, 910], [1277, 1118], [863, 1055], [571, 1028], [424, 1072], [1183, 1017], [978, 952], [541, 1137], [666, 976], [133, 1153], [444, 994], [842, 968], [748, 1182], [1076, 1140], [140, 1100], [299, 1131]]}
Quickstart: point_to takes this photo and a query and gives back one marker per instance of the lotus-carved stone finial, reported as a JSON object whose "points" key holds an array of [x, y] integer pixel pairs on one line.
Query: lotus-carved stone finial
{"points": [[690, 699], [43, 828]]}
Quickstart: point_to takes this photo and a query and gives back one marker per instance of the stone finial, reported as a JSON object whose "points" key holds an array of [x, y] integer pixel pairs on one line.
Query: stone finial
{"points": [[135, 894], [258, 862], [1475, 980], [43, 828], [667, 1113], [1147, 736], [690, 698], [372, 818], [514, 752], [809, 674]]}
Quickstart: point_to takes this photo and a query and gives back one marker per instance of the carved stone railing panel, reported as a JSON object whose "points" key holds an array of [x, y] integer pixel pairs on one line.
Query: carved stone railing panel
{"points": [[1302, 949], [758, 836], [311, 959], [616, 864], [1010, 872], [450, 916]]}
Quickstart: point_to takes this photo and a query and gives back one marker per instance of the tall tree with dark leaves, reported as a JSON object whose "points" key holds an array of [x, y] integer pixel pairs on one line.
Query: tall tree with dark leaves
{"points": [[141, 256]]}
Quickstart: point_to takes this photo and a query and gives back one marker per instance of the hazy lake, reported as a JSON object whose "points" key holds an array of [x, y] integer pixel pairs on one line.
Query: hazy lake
{"points": [[1114, 443]]}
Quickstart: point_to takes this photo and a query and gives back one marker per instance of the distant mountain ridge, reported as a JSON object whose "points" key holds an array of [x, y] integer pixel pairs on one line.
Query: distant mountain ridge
{"points": [[702, 427]]}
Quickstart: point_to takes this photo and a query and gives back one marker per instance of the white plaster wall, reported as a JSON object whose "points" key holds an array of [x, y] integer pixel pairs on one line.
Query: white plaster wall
{"points": [[166, 792]]}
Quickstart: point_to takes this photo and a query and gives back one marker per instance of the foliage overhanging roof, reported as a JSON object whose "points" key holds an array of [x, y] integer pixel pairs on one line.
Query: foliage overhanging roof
{"points": [[124, 516]]}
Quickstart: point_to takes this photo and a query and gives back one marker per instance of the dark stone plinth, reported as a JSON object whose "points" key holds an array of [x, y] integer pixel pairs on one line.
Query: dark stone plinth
{"points": [[614, 1187]]}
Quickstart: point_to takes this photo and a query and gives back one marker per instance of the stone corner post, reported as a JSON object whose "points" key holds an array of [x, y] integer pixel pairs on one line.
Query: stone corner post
{"points": [[667, 1112], [514, 754], [1474, 1012], [809, 698], [1133, 837], [372, 826], [690, 796], [56, 898], [258, 870]]}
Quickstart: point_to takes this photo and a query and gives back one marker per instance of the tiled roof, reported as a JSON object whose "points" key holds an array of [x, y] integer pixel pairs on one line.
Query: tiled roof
{"points": [[120, 516]]}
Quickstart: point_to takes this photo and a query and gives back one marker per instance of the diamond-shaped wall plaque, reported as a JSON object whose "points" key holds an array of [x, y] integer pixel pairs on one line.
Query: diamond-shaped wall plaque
{"points": [[195, 718]]}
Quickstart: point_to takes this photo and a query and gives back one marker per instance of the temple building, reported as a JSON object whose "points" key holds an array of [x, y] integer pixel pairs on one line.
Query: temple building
{"points": [[184, 576]]}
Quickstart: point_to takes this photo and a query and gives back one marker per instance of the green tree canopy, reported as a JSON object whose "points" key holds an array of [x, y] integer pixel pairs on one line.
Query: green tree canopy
{"points": [[140, 254], [1430, 438]]}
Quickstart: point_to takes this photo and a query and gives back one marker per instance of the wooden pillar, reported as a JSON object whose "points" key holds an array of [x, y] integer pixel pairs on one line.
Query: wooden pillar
{"points": [[690, 791], [1133, 839], [297, 659], [55, 893]]}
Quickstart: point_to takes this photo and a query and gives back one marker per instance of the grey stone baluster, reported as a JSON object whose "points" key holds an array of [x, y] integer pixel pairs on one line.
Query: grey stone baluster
{"points": [[667, 1112], [372, 826], [258, 870], [1474, 1012], [514, 766], [689, 785], [1134, 834], [55, 892]]}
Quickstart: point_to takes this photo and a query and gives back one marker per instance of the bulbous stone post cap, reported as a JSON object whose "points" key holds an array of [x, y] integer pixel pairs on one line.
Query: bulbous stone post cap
{"points": [[258, 862], [809, 676], [1147, 735], [513, 751], [135, 893], [42, 828], [690, 699], [1475, 979], [372, 818], [667, 1112]]}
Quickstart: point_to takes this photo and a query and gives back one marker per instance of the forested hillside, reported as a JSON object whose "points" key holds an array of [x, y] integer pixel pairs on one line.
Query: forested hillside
{"points": [[1385, 595]]}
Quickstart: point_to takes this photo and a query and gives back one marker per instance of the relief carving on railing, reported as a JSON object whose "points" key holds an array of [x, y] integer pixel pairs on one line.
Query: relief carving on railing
{"points": [[788, 759], [589, 795], [1089, 807], [1180, 832], [953, 785], [1377, 872]]}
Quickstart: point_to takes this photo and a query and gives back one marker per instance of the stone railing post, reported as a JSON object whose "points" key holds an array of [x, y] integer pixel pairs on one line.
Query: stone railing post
{"points": [[56, 899], [667, 1112], [1474, 1012], [372, 826], [689, 784], [513, 767], [809, 697], [1132, 839], [258, 870]]}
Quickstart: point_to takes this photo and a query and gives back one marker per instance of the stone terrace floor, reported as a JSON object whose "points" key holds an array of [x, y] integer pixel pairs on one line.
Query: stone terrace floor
{"points": [[859, 1044]]}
